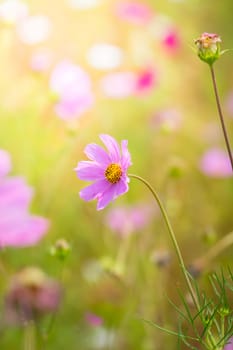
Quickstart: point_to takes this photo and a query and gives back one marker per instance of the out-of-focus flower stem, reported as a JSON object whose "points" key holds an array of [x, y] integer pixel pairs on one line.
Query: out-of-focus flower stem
{"points": [[173, 238], [201, 262], [29, 336], [221, 114]]}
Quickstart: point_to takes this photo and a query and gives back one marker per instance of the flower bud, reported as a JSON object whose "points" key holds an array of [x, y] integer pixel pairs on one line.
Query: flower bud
{"points": [[208, 47], [60, 249]]}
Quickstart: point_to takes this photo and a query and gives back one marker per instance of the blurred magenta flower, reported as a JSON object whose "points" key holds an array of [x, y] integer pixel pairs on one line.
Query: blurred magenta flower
{"points": [[17, 227], [93, 320], [33, 30], [145, 81], [72, 85], [229, 345], [107, 170], [215, 163], [171, 40], [11, 11], [127, 220], [31, 294], [134, 12]]}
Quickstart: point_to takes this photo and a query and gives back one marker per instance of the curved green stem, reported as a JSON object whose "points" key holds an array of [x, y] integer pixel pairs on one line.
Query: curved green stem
{"points": [[173, 238], [221, 115]]}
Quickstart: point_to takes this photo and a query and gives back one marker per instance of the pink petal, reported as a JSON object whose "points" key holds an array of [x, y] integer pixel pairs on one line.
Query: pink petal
{"points": [[126, 158], [14, 192], [121, 186], [107, 197], [89, 171], [112, 146], [22, 231], [95, 190], [97, 153]]}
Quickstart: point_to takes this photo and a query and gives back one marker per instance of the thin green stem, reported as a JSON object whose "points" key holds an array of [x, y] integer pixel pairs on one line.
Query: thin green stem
{"points": [[221, 115], [173, 238]]}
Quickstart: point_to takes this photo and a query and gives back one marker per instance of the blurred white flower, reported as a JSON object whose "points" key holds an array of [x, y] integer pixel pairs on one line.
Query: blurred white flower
{"points": [[105, 56], [84, 4], [34, 29], [12, 11], [73, 88]]}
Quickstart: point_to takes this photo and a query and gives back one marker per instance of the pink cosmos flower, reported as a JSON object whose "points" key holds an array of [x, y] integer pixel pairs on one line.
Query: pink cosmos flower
{"points": [[17, 227], [134, 12], [73, 88], [108, 170], [127, 220], [215, 163]]}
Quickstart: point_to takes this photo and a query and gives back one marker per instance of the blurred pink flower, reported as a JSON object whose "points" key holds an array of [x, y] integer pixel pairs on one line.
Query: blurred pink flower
{"points": [[134, 12], [229, 103], [33, 30], [17, 227], [124, 84], [41, 60], [93, 320], [12, 11], [171, 40], [73, 88], [215, 163], [229, 345], [145, 81], [108, 170], [118, 85], [31, 294], [168, 119], [127, 220]]}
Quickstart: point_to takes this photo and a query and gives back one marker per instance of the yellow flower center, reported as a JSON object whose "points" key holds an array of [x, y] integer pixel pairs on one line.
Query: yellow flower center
{"points": [[113, 173]]}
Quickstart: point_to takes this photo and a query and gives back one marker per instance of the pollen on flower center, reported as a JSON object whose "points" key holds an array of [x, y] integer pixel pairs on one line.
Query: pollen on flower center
{"points": [[113, 173]]}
